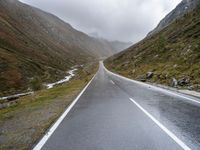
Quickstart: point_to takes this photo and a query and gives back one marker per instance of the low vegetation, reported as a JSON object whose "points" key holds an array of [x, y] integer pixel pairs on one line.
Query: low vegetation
{"points": [[24, 123], [171, 56], [36, 44]]}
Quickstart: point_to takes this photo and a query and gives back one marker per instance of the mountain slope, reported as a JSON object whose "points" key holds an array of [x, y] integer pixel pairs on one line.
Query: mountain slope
{"points": [[35, 45], [114, 46], [184, 7], [171, 56], [118, 46]]}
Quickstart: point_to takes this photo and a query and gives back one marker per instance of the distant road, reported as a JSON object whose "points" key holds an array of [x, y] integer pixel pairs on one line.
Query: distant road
{"points": [[115, 113]]}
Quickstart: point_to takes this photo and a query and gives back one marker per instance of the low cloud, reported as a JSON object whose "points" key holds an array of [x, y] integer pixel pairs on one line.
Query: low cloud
{"points": [[123, 20]]}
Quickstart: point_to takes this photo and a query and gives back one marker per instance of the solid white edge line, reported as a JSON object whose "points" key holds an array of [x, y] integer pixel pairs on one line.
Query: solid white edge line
{"points": [[153, 87], [60, 119], [169, 133]]}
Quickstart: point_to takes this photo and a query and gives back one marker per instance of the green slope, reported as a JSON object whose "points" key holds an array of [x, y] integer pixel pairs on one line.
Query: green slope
{"points": [[173, 52]]}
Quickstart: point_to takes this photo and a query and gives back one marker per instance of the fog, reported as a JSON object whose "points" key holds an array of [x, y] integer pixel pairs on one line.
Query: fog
{"points": [[123, 20]]}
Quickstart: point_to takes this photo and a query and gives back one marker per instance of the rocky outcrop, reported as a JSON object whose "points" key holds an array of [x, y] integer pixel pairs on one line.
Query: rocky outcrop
{"points": [[183, 81], [183, 8], [174, 82], [149, 75]]}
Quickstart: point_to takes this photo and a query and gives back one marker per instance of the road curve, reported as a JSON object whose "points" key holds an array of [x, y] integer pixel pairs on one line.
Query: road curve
{"points": [[114, 113]]}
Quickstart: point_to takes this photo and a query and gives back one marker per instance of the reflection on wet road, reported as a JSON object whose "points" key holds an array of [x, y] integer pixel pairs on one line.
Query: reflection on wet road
{"points": [[115, 113]]}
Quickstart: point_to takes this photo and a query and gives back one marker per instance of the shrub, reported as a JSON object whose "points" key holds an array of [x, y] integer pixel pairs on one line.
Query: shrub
{"points": [[36, 84]]}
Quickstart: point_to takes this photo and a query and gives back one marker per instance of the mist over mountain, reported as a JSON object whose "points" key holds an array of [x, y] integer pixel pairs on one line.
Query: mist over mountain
{"points": [[115, 46], [184, 7], [37, 44]]}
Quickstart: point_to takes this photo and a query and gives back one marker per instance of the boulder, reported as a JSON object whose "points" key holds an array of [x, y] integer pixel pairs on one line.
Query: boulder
{"points": [[149, 75], [183, 81], [174, 82], [192, 87]]}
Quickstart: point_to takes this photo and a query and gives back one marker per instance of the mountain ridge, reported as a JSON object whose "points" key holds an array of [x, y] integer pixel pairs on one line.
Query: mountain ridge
{"points": [[37, 45], [170, 56], [185, 6]]}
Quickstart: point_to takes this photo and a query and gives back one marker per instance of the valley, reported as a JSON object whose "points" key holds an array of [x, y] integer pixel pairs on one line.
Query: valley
{"points": [[63, 88], [36, 46]]}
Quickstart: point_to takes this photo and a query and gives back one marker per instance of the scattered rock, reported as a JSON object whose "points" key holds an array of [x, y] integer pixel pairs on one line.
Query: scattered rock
{"points": [[192, 87], [183, 81], [175, 66], [141, 78], [174, 82], [133, 71], [125, 64], [149, 75], [156, 56]]}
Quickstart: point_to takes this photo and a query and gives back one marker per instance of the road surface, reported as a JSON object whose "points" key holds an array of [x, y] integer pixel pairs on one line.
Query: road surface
{"points": [[114, 113]]}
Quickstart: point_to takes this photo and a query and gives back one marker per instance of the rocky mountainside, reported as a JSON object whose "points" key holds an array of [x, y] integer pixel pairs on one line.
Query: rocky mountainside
{"points": [[36, 46], [170, 56], [183, 8]]}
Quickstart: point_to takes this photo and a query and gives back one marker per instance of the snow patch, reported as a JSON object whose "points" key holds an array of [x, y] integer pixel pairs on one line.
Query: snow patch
{"points": [[66, 79], [49, 86]]}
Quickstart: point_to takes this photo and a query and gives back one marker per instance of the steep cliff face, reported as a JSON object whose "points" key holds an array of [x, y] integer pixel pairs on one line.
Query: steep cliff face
{"points": [[183, 8]]}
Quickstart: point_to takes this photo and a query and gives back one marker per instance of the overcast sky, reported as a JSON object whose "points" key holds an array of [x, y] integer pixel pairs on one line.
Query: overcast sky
{"points": [[123, 20]]}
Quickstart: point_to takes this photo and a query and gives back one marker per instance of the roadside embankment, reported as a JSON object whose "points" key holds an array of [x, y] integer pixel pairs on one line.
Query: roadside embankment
{"points": [[24, 123]]}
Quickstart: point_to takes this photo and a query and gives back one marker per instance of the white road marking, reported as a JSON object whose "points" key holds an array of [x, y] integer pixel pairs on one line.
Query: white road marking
{"points": [[153, 87], [174, 137], [60, 119], [112, 82]]}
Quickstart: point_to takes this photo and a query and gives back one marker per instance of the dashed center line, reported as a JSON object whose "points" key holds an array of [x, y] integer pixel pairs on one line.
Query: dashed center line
{"points": [[112, 82]]}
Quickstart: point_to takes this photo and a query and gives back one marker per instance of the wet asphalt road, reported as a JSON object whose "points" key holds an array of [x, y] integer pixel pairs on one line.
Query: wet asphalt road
{"points": [[104, 118]]}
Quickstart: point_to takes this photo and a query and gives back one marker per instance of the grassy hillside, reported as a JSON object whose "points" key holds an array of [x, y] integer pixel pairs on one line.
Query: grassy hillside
{"points": [[38, 46], [23, 124], [174, 52]]}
